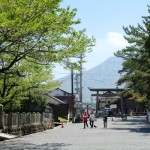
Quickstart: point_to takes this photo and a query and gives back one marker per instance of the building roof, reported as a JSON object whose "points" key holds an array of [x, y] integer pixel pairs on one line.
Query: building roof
{"points": [[54, 100], [106, 89], [62, 90]]}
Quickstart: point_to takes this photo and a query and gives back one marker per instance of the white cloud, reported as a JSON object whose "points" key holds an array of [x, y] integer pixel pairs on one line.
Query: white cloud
{"points": [[105, 48], [116, 39]]}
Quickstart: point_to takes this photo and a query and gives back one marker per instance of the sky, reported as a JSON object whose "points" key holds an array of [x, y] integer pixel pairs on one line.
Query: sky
{"points": [[104, 20]]}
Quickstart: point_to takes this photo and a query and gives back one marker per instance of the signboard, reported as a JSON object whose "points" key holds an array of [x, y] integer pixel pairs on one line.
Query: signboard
{"points": [[113, 106]]}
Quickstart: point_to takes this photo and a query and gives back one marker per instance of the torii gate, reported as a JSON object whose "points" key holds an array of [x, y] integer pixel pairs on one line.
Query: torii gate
{"points": [[107, 92]]}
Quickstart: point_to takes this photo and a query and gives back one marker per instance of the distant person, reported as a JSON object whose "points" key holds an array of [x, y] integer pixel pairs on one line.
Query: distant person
{"points": [[85, 119], [92, 119], [105, 120], [111, 115], [119, 113]]}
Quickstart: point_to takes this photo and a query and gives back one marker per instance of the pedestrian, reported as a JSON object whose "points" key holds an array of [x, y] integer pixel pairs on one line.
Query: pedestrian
{"points": [[105, 120], [112, 114], [85, 119], [92, 119]]}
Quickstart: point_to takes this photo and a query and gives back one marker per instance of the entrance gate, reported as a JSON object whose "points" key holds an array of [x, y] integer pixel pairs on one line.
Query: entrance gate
{"points": [[106, 93]]}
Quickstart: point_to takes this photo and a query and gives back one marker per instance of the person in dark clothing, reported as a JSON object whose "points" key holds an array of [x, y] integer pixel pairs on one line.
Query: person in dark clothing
{"points": [[105, 120]]}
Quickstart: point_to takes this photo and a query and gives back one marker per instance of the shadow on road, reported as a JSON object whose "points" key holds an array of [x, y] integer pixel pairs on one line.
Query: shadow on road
{"points": [[145, 128], [139, 130], [28, 146]]}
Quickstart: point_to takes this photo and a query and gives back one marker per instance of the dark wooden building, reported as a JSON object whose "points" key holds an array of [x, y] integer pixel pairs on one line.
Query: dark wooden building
{"points": [[65, 108]]}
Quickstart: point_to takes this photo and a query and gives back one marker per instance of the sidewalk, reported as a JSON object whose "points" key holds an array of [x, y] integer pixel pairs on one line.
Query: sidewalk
{"points": [[133, 134]]}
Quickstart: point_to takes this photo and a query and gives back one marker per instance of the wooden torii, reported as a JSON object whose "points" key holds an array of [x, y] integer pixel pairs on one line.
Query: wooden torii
{"points": [[107, 92]]}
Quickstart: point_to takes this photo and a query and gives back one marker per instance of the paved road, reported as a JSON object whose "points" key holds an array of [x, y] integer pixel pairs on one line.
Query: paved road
{"points": [[133, 134]]}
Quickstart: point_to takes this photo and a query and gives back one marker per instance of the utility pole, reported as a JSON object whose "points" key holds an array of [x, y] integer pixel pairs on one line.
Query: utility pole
{"points": [[81, 56], [97, 103], [72, 96]]}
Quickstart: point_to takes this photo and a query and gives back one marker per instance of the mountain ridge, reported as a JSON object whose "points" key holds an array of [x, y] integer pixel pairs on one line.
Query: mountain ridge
{"points": [[104, 75]]}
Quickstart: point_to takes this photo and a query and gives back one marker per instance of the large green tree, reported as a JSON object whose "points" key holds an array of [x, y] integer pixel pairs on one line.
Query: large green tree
{"points": [[39, 31], [34, 35], [136, 66], [29, 84]]}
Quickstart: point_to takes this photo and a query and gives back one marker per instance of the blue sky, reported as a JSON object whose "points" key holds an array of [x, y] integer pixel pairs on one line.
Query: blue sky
{"points": [[104, 20]]}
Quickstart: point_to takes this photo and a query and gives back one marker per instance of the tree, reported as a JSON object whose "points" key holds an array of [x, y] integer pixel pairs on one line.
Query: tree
{"points": [[39, 31], [33, 36], [28, 85], [136, 66]]}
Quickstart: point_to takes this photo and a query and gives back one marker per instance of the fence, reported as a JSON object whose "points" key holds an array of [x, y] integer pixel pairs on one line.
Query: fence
{"points": [[23, 119]]}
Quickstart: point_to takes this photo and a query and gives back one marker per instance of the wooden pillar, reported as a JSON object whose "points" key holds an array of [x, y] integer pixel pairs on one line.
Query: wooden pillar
{"points": [[122, 109], [1, 117]]}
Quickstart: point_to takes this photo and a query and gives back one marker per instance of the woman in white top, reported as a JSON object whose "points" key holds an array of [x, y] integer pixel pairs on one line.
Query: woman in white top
{"points": [[92, 119]]}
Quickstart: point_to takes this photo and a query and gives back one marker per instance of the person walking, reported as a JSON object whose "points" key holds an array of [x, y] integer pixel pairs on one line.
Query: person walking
{"points": [[92, 119], [85, 119], [105, 120]]}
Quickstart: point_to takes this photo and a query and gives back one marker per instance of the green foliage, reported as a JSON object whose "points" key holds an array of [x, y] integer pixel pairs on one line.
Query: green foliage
{"points": [[34, 103], [39, 31], [136, 67], [31, 81], [34, 35], [63, 118]]}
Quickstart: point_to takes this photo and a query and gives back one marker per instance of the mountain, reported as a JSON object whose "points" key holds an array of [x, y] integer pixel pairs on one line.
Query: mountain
{"points": [[104, 75]]}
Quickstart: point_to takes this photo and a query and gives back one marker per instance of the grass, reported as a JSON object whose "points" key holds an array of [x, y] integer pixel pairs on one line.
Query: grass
{"points": [[62, 119]]}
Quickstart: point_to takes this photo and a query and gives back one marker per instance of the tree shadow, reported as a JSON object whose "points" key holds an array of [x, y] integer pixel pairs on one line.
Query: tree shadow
{"points": [[138, 130], [127, 123], [145, 128], [17, 145], [132, 121]]}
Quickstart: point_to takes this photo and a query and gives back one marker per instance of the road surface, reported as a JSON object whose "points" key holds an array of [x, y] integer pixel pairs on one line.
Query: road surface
{"points": [[132, 134]]}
